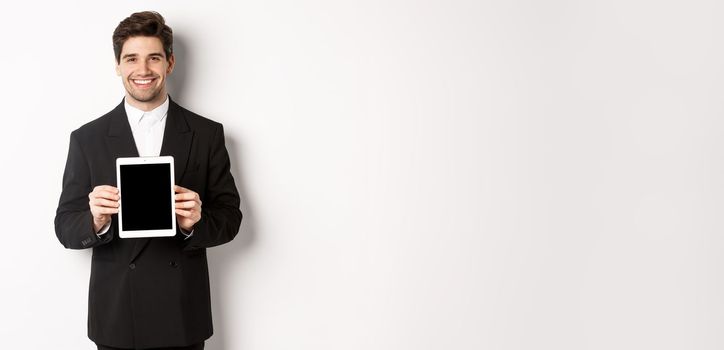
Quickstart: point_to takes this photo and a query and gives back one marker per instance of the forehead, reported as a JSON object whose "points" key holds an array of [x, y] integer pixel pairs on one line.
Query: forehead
{"points": [[142, 45]]}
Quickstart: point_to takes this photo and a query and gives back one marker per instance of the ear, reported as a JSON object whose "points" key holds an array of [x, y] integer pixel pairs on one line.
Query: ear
{"points": [[118, 67], [171, 64]]}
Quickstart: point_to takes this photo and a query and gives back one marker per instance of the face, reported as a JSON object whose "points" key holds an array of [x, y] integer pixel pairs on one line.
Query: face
{"points": [[143, 67]]}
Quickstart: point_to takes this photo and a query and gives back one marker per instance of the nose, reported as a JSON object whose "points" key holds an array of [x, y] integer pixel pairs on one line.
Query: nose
{"points": [[143, 68]]}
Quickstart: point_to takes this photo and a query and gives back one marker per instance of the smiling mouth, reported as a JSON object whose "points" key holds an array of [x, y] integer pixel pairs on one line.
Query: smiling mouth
{"points": [[143, 82]]}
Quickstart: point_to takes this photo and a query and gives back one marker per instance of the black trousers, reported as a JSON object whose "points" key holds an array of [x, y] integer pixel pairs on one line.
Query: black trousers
{"points": [[199, 346]]}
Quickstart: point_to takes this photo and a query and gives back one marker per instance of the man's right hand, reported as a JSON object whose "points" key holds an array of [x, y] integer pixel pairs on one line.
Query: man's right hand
{"points": [[103, 203]]}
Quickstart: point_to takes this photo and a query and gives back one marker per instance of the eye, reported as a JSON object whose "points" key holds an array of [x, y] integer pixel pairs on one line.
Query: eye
{"points": [[131, 59], [155, 58]]}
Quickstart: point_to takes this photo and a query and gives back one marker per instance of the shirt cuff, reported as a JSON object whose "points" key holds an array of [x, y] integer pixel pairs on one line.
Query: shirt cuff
{"points": [[104, 229], [187, 234]]}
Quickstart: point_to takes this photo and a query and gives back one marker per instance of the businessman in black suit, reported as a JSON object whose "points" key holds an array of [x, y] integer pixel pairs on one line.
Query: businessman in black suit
{"points": [[148, 293]]}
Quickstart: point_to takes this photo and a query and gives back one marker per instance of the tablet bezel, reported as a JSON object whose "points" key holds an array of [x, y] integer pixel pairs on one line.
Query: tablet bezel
{"points": [[145, 233]]}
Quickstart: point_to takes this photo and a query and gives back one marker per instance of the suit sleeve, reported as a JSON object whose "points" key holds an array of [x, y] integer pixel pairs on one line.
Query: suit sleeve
{"points": [[73, 220], [220, 214]]}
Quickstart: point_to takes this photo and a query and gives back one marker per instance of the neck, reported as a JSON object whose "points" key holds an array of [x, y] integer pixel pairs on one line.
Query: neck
{"points": [[147, 105]]}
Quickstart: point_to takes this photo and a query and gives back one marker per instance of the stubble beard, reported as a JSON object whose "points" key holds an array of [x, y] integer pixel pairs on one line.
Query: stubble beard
{"points": [[143, 96]]}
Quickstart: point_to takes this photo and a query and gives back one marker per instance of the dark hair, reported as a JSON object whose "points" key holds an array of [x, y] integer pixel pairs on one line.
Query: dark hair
{"points": [[147, 23]]}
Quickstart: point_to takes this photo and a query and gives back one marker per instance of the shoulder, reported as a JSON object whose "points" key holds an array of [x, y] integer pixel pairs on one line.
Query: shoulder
{"points": [[195, 121], [97, 127], [205, 130]]}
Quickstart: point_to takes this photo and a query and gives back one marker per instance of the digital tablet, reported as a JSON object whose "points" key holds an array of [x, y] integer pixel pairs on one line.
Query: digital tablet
{"points": [[147, 197]]}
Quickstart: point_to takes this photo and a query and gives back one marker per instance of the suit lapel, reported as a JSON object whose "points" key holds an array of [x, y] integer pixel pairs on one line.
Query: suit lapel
{"points": [[120, 138], [177, 139], [176, 142]]}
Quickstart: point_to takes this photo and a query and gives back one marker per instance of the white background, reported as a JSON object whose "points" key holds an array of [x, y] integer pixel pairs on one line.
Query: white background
{"points": [[414, 174]]}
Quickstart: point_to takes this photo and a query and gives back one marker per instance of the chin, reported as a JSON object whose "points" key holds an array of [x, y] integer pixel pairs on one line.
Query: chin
{"points": [[144, 98]]}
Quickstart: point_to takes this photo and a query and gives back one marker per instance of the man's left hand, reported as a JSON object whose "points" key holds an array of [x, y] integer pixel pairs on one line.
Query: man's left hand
{"points": [[188, 208]]}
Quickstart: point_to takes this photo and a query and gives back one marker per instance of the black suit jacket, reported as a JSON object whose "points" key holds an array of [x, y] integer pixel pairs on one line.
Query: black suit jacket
{"points": [[149, 292]]}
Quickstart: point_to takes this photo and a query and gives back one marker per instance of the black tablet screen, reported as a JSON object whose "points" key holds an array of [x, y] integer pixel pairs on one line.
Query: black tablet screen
{"points": [[146, 197]]}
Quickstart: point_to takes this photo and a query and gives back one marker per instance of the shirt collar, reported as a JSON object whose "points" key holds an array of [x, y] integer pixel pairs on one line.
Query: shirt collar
{"points": [[134, 114]]}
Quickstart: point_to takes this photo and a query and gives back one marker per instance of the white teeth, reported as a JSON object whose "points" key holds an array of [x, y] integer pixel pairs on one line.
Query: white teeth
{"points": [[142, 81]]}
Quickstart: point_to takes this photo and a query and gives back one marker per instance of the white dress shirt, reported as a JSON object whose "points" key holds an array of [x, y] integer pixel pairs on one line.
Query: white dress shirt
{"points": [[147, 129]]}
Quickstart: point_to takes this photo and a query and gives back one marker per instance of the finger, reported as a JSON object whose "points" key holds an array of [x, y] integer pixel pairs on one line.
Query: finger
{"points": [[104, 194], [187, 196], [186, 204], [99, 202], [106, 211], [184, 213], [191, 213], [179, 189], [106, 188]]}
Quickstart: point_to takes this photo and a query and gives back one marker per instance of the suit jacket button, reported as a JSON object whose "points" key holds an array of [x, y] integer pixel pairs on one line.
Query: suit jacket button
{"points": [[173, 264], [132, 266]]}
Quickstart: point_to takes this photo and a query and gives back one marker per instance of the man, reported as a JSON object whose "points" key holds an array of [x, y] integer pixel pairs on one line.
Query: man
{"points": [[148, 292]]}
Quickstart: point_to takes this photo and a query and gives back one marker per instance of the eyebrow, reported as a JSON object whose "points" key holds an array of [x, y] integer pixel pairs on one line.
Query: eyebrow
{"points": [[155, 54]]}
